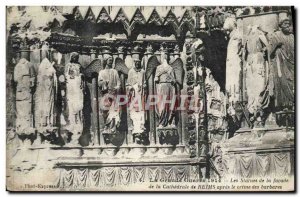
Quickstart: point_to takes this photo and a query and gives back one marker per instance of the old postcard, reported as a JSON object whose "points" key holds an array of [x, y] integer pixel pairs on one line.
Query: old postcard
{"points": [[150, 98]]}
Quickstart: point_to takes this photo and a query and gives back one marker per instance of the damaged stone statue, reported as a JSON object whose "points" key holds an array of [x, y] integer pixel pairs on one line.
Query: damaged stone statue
{"points": [[109, 84], [282, 66], [24, 77], [74, 95], [256, 69], [45, 100], [165, 86], [135, 91]]}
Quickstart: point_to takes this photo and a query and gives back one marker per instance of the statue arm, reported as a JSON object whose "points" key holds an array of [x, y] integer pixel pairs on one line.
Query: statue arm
{"points": [[157, 74], [173, 76], [118, 80], [16, 75], [274, 44], [264, 40], [129, 82], [144, 80], [82, 77], [55, 83], [100, 80]]}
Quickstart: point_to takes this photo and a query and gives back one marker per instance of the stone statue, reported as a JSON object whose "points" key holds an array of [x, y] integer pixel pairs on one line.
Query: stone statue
{"points": [[45, 97], [256, 74], [283, 64], [24, 77], [109, 84], [233, 61], [74, 95], [165, 79], [135, 92]]}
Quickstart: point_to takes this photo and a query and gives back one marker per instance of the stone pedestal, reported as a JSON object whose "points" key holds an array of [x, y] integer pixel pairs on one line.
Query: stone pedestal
{"points": [[180, 151], [109, 151], [151, 151], [110, 173], [136, 151], [66, 152], [123, 152], [167, 135], [271, 148]]}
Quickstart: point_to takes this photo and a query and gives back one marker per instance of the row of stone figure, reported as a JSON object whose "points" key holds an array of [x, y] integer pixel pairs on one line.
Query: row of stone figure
{"points": [[36, 96], [260, 69]]}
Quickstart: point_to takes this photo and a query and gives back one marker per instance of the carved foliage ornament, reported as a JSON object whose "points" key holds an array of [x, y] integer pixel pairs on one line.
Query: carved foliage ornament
{"points": [[103, 17], [90, 15], [137, 18], [77, 14], [187, 20], [171, 18], [121, 17], [155, 18]]}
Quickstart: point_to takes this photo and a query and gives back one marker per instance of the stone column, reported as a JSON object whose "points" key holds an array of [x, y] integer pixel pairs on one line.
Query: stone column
{"points": [[128, 59], [190, 113], [94, 103], [44, 51], [18, 56], [176, 54], [93, 54], [136, 51], [147, 55], [124, 114], [121, 52], [106, 51], [25, 53]]}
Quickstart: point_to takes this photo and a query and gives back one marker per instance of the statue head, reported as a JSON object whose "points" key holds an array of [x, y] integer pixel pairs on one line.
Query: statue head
{"points": [[137, 64], [285, 26], [149, 50], [164, 57], [74, 57], [108, 61], [230, 24], [54, 56], [198, 50]]}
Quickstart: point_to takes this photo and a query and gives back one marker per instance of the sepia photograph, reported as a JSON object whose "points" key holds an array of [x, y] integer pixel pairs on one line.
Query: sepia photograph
{"points": [[150, 98]]}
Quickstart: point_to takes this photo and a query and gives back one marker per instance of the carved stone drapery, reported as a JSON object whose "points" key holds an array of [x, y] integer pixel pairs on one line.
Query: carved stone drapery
{"points": [[75, 97], [46, 99], [24, 77]]}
